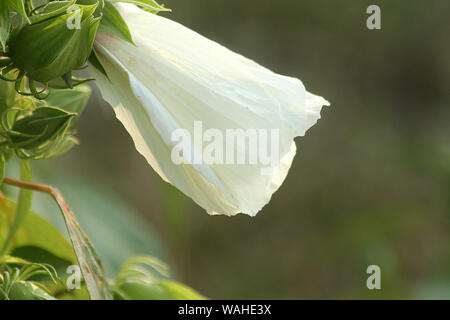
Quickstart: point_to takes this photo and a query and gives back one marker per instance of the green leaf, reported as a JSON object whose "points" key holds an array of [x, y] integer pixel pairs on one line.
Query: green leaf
{"points": [[35, 232], [12, 260], [155, 264], [162, 290], [102, 213], [5, 24], [88, 259], [27, 290], [113, 23], [178, 291], [149, 5], [145, 278], [24, 254], [19, 7], [23, 205]]}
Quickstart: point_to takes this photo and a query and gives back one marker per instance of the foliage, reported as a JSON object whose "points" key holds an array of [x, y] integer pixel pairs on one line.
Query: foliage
{"points": [[142, 277], [43, 43]]}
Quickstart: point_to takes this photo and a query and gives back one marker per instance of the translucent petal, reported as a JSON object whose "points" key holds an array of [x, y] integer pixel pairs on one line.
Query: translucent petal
{"points": [[174, 77]]}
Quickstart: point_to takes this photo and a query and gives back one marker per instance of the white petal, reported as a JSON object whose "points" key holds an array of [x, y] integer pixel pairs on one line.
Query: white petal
{"points": [[174, 77]]}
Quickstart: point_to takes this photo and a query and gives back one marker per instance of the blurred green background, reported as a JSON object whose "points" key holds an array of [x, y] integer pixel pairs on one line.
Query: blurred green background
{"points": [[369, 185]]}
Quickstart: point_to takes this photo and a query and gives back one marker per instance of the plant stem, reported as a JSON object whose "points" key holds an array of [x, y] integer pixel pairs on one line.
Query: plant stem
{"points": [[23, 206], [87, 257], [30, 186], [53, 192]]}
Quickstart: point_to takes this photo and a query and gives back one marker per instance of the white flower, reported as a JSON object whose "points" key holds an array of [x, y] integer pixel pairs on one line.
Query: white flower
{"points": [[175, 77]]}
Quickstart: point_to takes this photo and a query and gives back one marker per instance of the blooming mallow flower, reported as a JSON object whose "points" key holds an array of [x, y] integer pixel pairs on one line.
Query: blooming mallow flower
{"points": [[173, 81]]}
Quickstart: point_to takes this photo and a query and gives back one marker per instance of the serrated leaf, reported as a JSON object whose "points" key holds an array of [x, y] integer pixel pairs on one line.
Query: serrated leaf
{"points": [[113, 23]]}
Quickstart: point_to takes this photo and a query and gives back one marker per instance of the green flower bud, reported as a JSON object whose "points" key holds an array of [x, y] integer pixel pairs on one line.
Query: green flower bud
{"points": [[43, 126], [59, 40]]}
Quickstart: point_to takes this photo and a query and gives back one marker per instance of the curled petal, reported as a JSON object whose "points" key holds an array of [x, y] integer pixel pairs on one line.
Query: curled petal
{"points": [[175, 78]]}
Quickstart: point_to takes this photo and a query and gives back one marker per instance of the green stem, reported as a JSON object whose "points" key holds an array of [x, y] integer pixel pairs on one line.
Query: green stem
{"points": [[23, 205]]}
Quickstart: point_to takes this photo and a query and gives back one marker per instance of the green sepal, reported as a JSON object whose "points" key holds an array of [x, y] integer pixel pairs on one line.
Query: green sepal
{"points": [[19, 7], [49, 49], [100, 5], [113, 23], [95, 62], [63, 145], [148, 5], [51, 9], [67, 78], [61, 84], [70, 100]]}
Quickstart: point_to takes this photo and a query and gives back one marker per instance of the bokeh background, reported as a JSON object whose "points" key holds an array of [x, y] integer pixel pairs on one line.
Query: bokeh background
{"points": [[369, 185]]}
